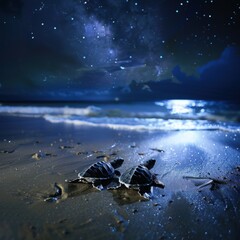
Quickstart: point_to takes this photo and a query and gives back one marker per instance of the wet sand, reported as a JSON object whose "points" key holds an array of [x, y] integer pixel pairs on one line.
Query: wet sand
{"points": [[34, 154]]}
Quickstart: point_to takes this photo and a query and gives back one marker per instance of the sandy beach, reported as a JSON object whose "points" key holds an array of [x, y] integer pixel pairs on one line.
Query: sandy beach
{"points": [[147, 91], [34, 154]]}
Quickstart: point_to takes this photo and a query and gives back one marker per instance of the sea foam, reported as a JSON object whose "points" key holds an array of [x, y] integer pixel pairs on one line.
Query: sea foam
{"points": [[163, 115]]}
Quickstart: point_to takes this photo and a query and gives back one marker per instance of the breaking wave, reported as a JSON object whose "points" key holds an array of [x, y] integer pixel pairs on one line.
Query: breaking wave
{"points": [[145, 124], [162, 115]]}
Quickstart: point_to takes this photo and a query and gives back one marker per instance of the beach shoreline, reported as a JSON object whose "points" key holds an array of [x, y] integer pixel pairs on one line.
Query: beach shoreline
{"points": [[35, 154]]}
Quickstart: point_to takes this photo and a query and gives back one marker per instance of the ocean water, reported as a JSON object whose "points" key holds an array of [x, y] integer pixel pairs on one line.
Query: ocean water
{"points": [[169, 115]]}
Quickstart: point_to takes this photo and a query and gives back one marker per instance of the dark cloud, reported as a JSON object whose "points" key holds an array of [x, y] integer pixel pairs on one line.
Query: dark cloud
{"points": [[217, 79], [220, 76], [223, 73], [182, 76]]}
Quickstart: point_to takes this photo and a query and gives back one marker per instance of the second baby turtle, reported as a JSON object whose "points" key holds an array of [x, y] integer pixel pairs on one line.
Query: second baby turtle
{"points": [[140, 178]]}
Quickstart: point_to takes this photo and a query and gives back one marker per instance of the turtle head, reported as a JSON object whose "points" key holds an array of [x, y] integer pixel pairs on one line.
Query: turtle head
{"points": [[149, 163], [117, 163]]}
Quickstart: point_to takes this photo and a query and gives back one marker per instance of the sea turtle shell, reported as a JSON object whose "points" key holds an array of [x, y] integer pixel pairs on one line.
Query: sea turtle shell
{"points": [[141, 179], [97, 171], [138, 176]]}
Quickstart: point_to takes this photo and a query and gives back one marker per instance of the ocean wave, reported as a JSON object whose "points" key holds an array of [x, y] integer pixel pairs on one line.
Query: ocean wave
{"points": [[168, 110], [41, 111], [164, 115], [135, 124]]}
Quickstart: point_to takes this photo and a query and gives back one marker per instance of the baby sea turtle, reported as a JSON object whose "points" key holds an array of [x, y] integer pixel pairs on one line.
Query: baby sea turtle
{"points": [[99, 174], [141, 179]]}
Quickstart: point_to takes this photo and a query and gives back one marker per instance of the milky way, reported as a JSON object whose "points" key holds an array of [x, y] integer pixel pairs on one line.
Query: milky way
{"points": [[56, 49]]}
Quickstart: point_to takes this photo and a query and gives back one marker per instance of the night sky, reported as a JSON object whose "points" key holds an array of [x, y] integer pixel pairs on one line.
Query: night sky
{"points": [[119, 49]]}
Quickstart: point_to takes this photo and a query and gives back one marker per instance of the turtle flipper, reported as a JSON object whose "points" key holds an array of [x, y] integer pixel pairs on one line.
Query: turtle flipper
{"points": [[117, 163], [145, 192], [149, 164], [117, 173], [98, 185], [114, 184], [158, 183]]}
